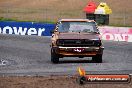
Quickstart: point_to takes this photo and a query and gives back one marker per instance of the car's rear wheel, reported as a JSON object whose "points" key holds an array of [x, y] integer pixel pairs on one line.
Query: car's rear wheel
{"points": [[54, 57], [97, 58]]}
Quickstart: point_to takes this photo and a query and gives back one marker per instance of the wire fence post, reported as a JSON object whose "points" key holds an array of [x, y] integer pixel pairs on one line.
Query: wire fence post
{"points": [[124, 18]]}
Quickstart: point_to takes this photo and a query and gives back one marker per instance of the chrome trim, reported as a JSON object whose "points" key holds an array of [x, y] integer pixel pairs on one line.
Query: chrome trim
{"points": [[79, 47]]}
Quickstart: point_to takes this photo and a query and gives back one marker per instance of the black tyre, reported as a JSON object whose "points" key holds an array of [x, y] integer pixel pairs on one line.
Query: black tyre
{"points": [[97, 58], [54, 57]]}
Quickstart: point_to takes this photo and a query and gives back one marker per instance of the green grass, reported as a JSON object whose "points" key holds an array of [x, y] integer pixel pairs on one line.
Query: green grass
{"points": [[52, 22], [11, 19], [7, 19]]}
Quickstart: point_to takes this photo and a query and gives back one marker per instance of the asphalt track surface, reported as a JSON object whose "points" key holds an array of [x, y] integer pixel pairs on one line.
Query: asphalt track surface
{"points": [[30, 55]]}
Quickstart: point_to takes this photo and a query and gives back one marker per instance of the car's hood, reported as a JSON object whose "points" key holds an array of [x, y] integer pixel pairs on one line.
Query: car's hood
{"points": [[89, 36]]}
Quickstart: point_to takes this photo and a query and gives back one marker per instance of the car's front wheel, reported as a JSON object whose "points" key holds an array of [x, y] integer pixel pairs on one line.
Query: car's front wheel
{"points": [[54, 57], [97, 58]]}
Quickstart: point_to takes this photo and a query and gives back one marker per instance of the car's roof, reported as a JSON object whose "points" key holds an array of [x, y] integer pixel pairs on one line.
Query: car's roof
{"points": [[78, 20]]}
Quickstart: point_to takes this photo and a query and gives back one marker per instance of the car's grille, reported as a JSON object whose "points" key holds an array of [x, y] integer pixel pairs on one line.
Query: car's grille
{"points": [[77, 42]]}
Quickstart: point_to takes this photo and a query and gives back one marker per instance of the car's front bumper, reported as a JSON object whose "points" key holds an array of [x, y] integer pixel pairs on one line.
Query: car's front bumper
{"points": [[78, 51]]}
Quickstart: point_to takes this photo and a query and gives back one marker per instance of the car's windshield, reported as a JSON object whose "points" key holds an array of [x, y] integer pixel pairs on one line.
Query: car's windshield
{"points": [[77, 27]]}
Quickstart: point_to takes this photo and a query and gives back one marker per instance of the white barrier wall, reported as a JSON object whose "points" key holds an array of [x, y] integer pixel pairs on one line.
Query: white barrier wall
{"points": [[116, 33]]}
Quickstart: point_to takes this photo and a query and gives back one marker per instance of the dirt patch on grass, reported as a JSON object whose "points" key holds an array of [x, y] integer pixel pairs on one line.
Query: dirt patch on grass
{"points": [[52, 82]]}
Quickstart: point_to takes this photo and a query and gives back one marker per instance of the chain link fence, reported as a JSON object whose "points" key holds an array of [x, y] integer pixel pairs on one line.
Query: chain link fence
{"points": [[52, 15]]}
